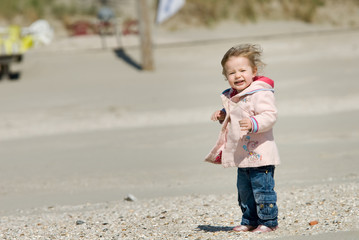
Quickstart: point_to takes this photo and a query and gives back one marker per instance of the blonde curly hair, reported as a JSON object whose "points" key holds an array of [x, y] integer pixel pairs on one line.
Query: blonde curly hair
{"points": [[251, 51]]}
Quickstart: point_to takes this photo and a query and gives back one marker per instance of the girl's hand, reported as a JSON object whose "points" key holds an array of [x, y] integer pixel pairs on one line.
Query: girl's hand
{"points": [[245, 124], [218, 115]]}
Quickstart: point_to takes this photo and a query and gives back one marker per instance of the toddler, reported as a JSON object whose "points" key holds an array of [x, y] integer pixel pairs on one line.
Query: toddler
{"points": [[246, 138]]}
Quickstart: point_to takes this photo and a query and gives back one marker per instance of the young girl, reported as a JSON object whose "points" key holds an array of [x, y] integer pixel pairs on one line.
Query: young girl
{"points": [[246, 139]]}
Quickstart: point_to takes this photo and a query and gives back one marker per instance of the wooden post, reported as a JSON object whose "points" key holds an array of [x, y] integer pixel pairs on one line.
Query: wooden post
{"points": [[145, 35]]}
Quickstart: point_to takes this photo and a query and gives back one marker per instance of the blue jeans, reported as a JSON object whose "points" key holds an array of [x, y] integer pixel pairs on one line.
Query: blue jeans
{"points": [[256, 196]]}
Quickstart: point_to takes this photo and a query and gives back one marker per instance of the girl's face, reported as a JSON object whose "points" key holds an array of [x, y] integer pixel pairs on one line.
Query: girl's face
{"points": [[239, 72]]}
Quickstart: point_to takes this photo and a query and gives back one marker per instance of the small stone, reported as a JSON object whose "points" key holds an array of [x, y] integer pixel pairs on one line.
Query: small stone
{"points": [[130, 198], [79, 222], [312, 223]]}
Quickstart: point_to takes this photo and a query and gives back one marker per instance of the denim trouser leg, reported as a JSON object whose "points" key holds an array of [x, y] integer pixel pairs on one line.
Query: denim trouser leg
{"points": [[257, 197], [246, 198]]}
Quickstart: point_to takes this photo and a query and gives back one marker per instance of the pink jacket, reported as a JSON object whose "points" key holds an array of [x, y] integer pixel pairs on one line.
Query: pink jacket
{"points": [[248, 149]]}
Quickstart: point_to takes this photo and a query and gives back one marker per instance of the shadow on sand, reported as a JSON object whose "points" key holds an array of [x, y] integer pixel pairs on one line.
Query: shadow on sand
{"points": [[210, 228], [120, 53]]}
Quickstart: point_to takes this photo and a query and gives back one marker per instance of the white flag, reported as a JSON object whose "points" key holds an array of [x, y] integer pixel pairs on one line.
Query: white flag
{"points": [[167, 8]]}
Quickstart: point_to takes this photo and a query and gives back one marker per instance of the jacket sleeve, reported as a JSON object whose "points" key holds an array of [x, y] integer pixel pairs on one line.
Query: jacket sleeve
{"points": [[265, 111]]}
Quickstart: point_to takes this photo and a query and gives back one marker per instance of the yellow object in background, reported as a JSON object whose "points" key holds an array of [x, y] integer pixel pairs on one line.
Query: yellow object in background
{"points": [[8, 47], [26, 43], [17, 40], [1, 46], [11, 46], [14, 32], [11, 42]]}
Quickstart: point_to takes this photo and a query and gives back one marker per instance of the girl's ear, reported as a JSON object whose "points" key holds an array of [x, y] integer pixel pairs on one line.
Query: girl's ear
{"points": [[255, 71]]}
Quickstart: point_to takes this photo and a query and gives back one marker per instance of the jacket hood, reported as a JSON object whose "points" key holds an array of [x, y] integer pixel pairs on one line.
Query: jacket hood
{"points": [[260, 83], [269, 81]]}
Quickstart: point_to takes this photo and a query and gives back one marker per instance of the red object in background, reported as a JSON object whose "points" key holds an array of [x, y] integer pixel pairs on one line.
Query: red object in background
{"points": [[105, 28], [81, 28], [130, 27]]}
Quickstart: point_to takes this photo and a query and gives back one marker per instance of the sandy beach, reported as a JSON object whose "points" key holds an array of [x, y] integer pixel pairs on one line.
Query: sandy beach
{"points": [[81, 129]]}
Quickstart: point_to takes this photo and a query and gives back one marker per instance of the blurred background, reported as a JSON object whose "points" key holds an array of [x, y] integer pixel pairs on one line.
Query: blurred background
{"points": [[64, 14], [82, 120]]}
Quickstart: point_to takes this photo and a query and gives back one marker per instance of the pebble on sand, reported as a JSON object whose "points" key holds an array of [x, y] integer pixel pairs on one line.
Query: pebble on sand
{"points": [[312, 223], [130, 198]]}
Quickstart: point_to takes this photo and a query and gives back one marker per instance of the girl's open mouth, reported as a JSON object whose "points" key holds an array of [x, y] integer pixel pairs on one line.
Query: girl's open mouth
{"points": [[238, 82]]}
